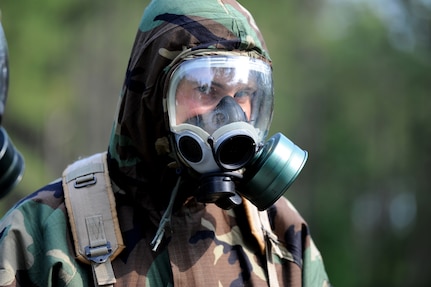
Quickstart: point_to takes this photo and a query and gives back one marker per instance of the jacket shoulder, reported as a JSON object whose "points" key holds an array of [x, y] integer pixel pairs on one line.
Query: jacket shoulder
{"points": [[51, 195], [35, 238]]}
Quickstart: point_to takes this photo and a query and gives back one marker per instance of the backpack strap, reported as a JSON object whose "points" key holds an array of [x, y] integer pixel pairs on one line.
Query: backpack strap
{"points": [[90, 206]]}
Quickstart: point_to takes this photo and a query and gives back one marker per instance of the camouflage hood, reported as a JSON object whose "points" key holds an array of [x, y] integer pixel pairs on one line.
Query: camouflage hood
{"points": [[167, 29]]}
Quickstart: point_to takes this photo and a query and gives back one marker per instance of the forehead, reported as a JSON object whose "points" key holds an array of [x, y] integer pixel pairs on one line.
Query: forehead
{"points": [[223, 65], [222, 72], [222, 75]]}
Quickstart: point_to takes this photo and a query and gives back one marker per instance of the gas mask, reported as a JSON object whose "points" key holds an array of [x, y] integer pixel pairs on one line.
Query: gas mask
{"points": [[11, 161], [219, 111]]}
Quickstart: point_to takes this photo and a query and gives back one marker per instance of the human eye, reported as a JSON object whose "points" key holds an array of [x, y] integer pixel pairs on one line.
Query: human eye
{"points": [[207, 90], [244, 94], [204, 89]]}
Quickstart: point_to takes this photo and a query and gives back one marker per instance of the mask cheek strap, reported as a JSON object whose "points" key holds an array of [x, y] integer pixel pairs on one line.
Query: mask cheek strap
{"points": [[166, 218]]}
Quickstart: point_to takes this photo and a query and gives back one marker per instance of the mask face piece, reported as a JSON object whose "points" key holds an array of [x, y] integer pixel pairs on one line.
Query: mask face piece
{"points": [[200, 88], [219, 110]]}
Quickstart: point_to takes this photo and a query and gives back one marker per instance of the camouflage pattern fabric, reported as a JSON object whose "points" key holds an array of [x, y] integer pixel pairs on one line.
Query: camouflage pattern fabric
{"points": [[204, 245], [208, 246]]}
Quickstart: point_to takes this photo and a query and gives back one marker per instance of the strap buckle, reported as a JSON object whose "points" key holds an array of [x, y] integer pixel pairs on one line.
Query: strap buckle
{"points": [[98, 254], [85, 180]]}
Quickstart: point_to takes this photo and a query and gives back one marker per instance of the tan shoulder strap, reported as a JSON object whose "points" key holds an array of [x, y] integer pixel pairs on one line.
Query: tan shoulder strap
{"points": [[267, 240], [90, 205]]}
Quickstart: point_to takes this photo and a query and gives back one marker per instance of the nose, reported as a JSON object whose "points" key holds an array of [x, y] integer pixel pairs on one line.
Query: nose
{"points": [[228, 111]]}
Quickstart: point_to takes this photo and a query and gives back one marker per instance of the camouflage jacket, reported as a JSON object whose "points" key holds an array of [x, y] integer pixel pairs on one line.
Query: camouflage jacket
{"points": [[208, 246]]}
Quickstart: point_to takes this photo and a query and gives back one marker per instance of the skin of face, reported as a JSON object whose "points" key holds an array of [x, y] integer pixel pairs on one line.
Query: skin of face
{"points": [[201, 91]]}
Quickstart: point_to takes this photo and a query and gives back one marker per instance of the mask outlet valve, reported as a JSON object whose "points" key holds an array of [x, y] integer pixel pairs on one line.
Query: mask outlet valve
{"points": [[218, 189]]}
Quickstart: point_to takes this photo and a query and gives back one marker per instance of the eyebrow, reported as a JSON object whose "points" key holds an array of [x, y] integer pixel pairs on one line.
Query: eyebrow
{"points": [[217, 84], [212, 83], [242, 86], [221, 85]]}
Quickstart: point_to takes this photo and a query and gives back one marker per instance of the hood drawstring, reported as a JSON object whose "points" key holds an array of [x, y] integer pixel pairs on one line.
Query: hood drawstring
{"points": [[166, 218]]}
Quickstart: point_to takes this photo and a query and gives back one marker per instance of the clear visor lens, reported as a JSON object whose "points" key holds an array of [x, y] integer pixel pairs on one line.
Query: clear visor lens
{"points": [[213, 91]]}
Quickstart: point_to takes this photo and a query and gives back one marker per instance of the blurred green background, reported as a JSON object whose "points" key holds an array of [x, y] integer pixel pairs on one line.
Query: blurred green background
{"points": [[353, 88]]}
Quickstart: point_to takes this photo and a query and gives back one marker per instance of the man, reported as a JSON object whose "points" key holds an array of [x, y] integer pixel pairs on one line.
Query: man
{"points": [[195, 201]]}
